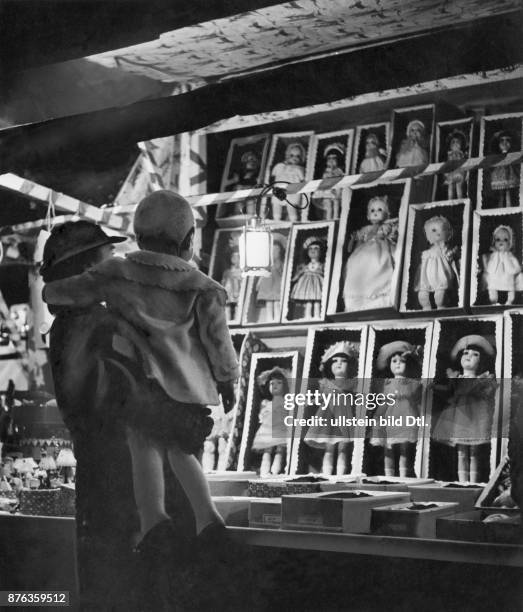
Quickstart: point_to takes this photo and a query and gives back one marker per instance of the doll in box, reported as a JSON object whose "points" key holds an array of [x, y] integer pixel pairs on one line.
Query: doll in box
{"points": [[456, 147], [232, 282], [504, 179], [329, 200], [245, 178], [307, 283], [271, 437], [268, 288], [437, 274], [413, 149], [399, 361], [502, 271], [375, 157], [339, 368], [466, 421], [370, 266], [292, 170]]}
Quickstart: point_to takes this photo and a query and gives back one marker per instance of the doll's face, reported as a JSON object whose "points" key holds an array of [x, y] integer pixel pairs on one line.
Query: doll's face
{"points": [[377, 212], [276, 386], [235, 258], [250, 162], [340, 366], [371, 146], [505, 144], [331, 161], [455, 144], [436, 232], [398, 365], [502, 241], [314, 252], [415, 132], [470, 360], [293, 156]]}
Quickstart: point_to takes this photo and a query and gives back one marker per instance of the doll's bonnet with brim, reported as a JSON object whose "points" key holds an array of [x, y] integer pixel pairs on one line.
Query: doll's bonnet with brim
{"points": [[472, 340]]}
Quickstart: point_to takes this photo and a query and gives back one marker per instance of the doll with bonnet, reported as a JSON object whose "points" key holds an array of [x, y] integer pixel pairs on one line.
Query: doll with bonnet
{"points": [[413, 149], [466, 421], [271, 437], [502, 271], [307, 283], [375, 156], [399, 361], [329, 200], [370, 266], [339, 369], [292, 170]]}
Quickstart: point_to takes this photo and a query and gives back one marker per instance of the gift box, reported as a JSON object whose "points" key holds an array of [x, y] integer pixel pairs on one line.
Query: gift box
{"points": [[224, 487], [413, 520], [265, 513], [470, 526], [392, 483], [276, 487], [41, 502], [234, 510], [465, 495], [342, 511]]}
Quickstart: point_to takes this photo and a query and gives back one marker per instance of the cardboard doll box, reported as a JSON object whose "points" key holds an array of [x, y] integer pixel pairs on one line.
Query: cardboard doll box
{"points": [[392, 483], [276, 487], [341, 511], [229, 483], [265, 513], [465, 495], [413, 520], [234, 509], [471, 527]]}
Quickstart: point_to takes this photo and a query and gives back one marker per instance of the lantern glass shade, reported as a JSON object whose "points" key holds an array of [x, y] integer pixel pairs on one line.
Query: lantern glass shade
{"points": [[255, 247]]}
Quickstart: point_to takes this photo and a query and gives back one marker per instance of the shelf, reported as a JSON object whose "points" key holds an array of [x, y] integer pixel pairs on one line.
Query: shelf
{"points": [[383, 546]]}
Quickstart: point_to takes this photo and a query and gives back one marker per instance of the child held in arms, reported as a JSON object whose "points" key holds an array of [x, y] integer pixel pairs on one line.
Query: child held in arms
{"points": [[182, 343]]}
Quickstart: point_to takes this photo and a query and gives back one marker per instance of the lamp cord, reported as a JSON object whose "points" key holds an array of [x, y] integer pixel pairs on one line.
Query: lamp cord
{"points": [[277, 192]]}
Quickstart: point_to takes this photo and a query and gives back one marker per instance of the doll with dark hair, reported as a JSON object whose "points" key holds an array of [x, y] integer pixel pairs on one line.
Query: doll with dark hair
{"points": [[339, 367], [271, 436], [307, 283], [456, 148], [503, 179], [466, 422], [329, 200], [399, 361]]}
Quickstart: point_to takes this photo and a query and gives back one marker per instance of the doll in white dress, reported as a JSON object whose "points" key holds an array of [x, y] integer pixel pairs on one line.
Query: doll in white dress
{"points": [[307, 283], [504, 179], [272, 435], [466, 421], [292, 170], [400, 362], [371, 263], [232, 282], [456, 147], [329, 200], [502, 271], [375, 157], [413, 150], [268, 288], [437, 274], [339, 367]]}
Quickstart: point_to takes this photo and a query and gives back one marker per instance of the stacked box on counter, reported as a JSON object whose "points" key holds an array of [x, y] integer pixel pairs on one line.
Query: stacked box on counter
{"points": [[465, 495], [392, 483], [413, 520], [265, 512]]}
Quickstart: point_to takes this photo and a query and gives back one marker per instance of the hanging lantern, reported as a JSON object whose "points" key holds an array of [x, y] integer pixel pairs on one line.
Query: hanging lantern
{"points": [[256, 248]]}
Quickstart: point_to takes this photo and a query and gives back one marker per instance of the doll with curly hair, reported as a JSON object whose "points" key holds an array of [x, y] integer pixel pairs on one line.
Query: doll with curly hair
{"points": [[292, 170], [307, 283]]}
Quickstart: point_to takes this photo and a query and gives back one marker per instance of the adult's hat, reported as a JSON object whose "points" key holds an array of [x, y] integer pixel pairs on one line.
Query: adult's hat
{"points": [[164, 213], [72, 238]]}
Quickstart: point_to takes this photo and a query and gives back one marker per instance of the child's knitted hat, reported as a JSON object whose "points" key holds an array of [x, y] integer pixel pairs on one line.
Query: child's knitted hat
{"points": [[164, 213]]}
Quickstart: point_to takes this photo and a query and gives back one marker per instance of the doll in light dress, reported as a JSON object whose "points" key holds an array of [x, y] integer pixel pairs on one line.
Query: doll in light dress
{"points": [[232, 282], [502, 271], [272, 435], [437, 274], [413, 149], [370, 266], [375, 157], [400, 362], [292, 170], [307, 283], [504, 179], [339, 368], [456, 148], [466, 421], [329, 200], [268, 288]]}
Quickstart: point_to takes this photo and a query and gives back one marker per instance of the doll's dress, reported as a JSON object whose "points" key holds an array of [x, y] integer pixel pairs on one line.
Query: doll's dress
{"points": [[370, 266], [308, 283], [467, 418], [372, 164], [504, 177], [268, 288], [272, 431], [411, 154], [437, 270], [502, 271], [407, 392], [231, 281], [323, 197], [319, 436], [456, 176], [290, 173]]}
